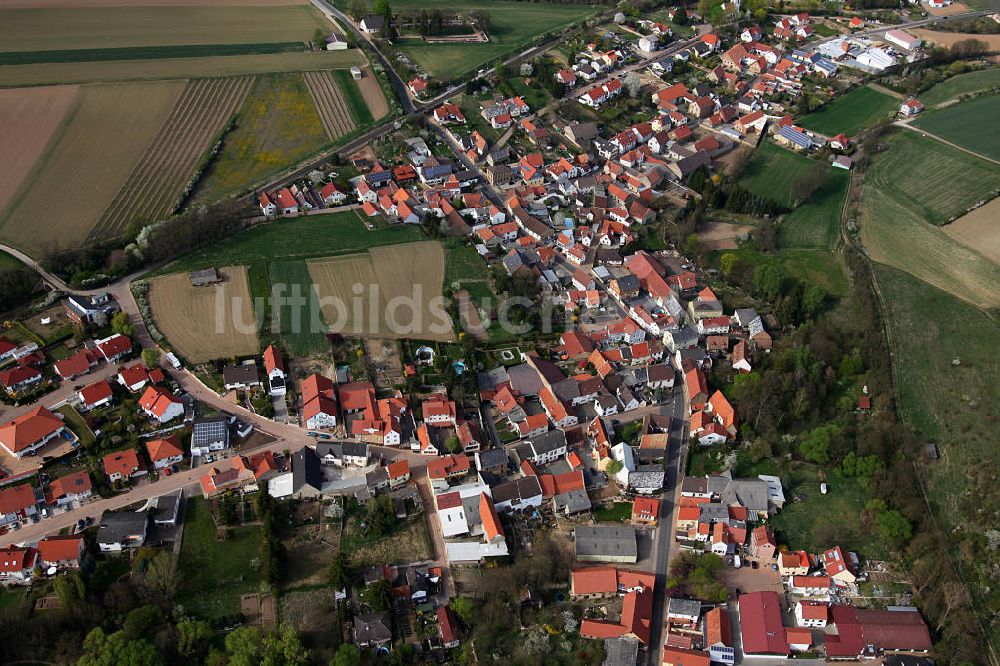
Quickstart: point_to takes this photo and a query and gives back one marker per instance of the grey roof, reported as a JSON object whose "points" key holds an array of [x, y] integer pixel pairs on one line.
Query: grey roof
{"points": [[374, 21], [743, 316], [547, 442], [525, 380], [605, 541], [373, 627], [377, 477], [490, 379], [694, 484], [208, 430], [751, 493], [306, 470], [620, 652], [582, 131], [628, 282], [659, 372], [491, 458], [713, 512], [688, 165], [716, 483], [118, 527], [647, 476], [245, 373], [523, 488], [355, 449], [574, 501], [203, 277], [683, 607], [333, 449]]}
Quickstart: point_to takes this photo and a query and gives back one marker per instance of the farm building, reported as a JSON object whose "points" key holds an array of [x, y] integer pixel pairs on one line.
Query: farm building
{"points": [[205, 277]]}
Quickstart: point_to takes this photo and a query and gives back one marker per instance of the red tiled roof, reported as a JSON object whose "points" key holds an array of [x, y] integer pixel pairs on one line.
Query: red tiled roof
{"points": [[676, 656], [14, 559], [121, 462], [273, 360], [645, 508], [156, 400], [96, 392], [16, 498], [398, 469], [70, 484], [594, 580], [760, 624], [446, 466], [18, 374], [115, 345], [77, 364], [491, 521], [161, 449], [25, 430], [55, 549]]}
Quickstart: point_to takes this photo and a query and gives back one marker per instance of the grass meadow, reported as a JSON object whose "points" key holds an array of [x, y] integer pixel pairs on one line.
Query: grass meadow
{"points": [[771, 172], [360, 112], [815, 223], [851, 113], [971, 124], [301, 338]]}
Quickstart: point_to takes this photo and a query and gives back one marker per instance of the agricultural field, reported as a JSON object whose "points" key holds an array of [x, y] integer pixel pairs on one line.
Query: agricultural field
{"points": [[970, 124], [305, 237], [29, 118], [512, 25], [329, 100], [205, 323], [373, 94], [301, 327], [400, 282], [70, 28], [963, 84], [153, 189], [851, 113], [277, 126], [86, 167], [108, 71], [352, 95], [902, 199], [815, 224], [979, 230]]}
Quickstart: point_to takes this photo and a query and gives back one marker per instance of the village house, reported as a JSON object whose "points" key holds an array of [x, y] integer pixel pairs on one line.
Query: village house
{"points": [[122, 465], [29, 432]]}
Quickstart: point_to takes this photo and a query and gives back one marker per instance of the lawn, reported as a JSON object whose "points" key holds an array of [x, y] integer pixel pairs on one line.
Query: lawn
{"points": [[298, 238], [970, 124], [963, 84], [215, 573], [804, 521], [905, 195], [302, 335], [815, 224], [352, 95], [512, 26], [7, 262], [771, 172], [277, 126], [851, 113], [78, 425], [616, 513]]}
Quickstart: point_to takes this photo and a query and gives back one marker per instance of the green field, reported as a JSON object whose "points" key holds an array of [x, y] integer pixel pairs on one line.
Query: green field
{"points": [[512, 26], [851, 113], [298, 238], [277, 126], [300, 336], [352, 95], [963, 84], [819, 267], [771, 172], [905, 195], [615, 513], [73, 28], [104, 71], [146, 52], [215, 573], [971, 124], [815, 224]]}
